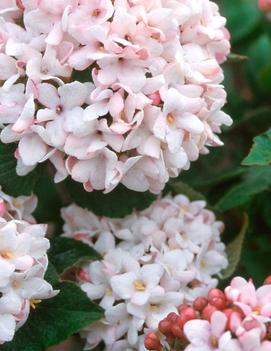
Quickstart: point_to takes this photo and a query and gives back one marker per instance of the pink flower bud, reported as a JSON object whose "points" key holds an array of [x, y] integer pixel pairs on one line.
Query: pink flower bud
{"points": [[267, 281], [265, 5], [216, 293], [177, 331], [208, 312], [155, 97], [200, 303], [152, 342], [165, 327], [218, 302]]}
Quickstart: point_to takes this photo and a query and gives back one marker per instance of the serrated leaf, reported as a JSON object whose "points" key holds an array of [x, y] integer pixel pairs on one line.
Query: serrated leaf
{"points": [[55, 319], [234, 250], [185, 189], [260, 154], [118, 203], [257, 180], [65, 253], [12, 183]]}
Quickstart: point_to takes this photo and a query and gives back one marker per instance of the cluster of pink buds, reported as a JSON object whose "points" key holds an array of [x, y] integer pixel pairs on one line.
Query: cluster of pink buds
{"points": [[236, 319]]}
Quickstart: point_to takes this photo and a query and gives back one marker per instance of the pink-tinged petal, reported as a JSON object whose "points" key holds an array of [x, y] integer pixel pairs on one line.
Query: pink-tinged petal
{"points": [[264, 295], [7, 67], [45, 115], [265, 346], [7, 135], [116, 104], [48, 96], [250, 340], [56, 35], [79, 59], [140, 298], [65, 50], [133, 77], [7, 327], [266, 310], [26, 118], [32, 149], [73, 94], [95, 111], [151, 274], [191, 123], [151, 147], [197, 332], [94, 291], [123, 285], [218, 323]]}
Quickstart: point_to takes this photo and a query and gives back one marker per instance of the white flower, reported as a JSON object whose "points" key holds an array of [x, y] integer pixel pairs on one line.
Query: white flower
{"points": [[23, 263], [153, 261]]}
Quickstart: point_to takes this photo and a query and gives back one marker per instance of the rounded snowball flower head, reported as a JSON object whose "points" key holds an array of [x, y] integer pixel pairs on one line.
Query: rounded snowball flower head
{"points": [[237, 319], [153, 261], [124, 91], [23, 262]]}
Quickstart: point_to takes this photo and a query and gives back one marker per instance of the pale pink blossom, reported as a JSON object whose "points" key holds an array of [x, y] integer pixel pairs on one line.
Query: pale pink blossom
{"points": [[152, 262], [154, 99], [23, 263]]}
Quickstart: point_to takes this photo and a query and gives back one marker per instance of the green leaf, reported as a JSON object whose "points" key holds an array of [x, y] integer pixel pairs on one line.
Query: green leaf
{"points": [[260, 154], [54, 320], [256, 180], [49, 202], [234, 250], [51, 275], [65, 253], [259, 67], [118, 203], [242, 16], [12, 183], [185, 189]]}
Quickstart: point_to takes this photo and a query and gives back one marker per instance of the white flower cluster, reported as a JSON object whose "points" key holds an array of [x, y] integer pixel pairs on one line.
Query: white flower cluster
{"points": [[152, 101], [152, 262], [23, 262]]}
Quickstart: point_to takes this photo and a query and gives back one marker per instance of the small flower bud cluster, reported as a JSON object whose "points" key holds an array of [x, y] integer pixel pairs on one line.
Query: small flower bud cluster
{"points": [[123, 91], [23, 263], [238, 319], [152, 262]]}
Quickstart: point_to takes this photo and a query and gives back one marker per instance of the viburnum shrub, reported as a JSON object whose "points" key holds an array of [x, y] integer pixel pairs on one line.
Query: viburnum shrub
{"points": [[236, 319], [150, 101], [152, 262]]}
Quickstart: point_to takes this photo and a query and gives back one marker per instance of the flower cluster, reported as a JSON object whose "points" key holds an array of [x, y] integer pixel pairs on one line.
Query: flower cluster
{"points": [[152, 262], [23, 262], [123, 91], [238, 319]]}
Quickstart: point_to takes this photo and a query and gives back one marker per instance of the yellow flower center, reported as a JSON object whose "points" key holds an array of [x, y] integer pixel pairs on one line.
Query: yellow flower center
{"points": [[16, 284], [257, 310], [108, 292], [153, 308], [203, 264], [34, 303], [8, 255], [214, 341], [16, 203], [139, 285], [170, 119]]}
